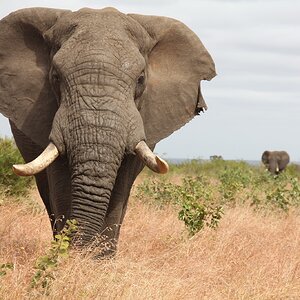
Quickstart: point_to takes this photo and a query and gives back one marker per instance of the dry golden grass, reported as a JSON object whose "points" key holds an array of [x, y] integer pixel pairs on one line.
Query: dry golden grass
{"points": [[250, 256]]}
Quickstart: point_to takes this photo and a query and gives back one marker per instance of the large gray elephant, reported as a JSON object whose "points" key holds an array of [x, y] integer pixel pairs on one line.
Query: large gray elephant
{"points": [[275, 161], [97, 89]]}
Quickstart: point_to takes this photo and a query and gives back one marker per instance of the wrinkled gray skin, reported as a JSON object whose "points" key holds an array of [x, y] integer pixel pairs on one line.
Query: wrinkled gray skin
{"points": [[95, 83], [275, 161]]}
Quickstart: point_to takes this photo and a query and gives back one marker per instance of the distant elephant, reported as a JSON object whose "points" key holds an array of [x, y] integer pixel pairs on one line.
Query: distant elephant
{"points": [[96, 86], [275, 161]]}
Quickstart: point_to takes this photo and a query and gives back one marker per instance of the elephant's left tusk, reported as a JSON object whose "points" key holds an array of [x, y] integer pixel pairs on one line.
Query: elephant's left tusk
{"points": [[38, 164], [151, 160]]}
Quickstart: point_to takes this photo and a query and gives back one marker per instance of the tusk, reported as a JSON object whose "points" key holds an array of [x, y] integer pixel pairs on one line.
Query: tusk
{"points": [[38, 164], [152, 161]]}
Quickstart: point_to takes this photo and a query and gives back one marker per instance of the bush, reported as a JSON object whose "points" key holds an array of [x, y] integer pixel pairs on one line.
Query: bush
{"points": [[234, 179], [11, 184], [197, 206], [276, 192], [47, 264], [201, 199], [160, 193], [193, 197], [293, 170]]}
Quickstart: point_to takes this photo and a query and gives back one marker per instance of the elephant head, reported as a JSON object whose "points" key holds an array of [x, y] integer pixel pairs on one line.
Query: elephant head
{"points": [[97, 87], [275, 161]]}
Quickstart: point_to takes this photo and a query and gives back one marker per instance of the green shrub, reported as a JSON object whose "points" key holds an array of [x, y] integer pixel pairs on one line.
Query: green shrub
{"points": [[275, 192], [226, 183], [11, 184], [194, 199], [158, 192], [197, 205], [294, 192], [47, 264], [5, 267], [293, 170], [234, 179]]}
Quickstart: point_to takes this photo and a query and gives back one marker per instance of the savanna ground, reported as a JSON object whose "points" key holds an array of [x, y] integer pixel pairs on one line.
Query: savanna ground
{"points": [[207, 230]]}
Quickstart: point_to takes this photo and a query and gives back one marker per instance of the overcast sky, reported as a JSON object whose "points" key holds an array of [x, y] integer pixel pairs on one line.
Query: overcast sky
{"points": [[254, 102]]}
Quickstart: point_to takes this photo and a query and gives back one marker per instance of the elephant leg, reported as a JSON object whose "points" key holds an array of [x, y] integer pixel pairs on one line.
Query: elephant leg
{"points": [[41, 180], [29, 151], [273, 166], [60, 192], [130, 168], [281, 166]]}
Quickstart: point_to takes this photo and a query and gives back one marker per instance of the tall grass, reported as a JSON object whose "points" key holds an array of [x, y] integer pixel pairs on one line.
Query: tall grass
{"points": [[208, 230], [252, 255]]}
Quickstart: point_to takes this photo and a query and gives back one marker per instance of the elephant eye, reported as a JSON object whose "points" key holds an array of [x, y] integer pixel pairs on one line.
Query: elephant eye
{"points": [[55, 78], [141, 78], [140, 85], [55, 84]]}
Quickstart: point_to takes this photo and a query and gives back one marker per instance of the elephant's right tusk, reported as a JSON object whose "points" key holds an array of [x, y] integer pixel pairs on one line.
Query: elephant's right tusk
{"points": [[151, 160], [38, 164]]}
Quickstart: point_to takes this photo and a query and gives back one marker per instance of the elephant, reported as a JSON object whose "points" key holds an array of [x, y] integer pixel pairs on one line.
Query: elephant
{"points": [[88, 95], [275, 161]]}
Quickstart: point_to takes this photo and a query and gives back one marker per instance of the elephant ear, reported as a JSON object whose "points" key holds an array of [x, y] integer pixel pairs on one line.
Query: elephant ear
{"points": [[26, 97], [176, 64]]}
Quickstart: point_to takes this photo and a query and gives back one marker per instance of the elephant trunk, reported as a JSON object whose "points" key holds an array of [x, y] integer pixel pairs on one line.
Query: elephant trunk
{"points": [[273, 167], [92, 184], [95, 151]]}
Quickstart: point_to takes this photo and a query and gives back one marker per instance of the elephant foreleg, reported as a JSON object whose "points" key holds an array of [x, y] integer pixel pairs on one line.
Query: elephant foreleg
{"points": [[130, 168], [60, 192], [29, 151]]}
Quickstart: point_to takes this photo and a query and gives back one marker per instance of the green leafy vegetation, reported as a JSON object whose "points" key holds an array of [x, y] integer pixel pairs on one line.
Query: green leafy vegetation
{"points": [[11, 184], [207, 188], [194, 198], [47, 264], [197, 207], [5, 267]]}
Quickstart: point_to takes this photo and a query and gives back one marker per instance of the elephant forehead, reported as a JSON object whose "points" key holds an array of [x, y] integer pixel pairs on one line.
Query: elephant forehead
{"points": [[105, 57], [101, 25], [100, 36]]}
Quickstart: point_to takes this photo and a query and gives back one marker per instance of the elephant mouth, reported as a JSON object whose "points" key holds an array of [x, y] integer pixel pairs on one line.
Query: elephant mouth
{"points": [[152, 161]]}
